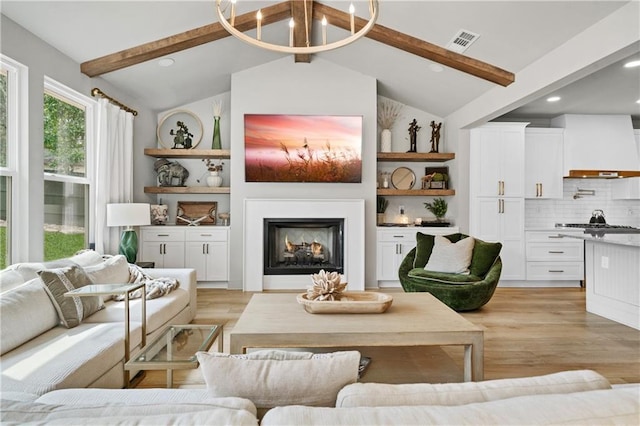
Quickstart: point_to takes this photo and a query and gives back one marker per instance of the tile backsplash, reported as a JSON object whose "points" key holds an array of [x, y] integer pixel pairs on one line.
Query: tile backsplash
{"points": [[546, 213]]}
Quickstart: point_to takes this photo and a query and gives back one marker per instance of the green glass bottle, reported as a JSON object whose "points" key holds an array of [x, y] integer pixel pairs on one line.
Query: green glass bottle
{"points": [[216, 144]]}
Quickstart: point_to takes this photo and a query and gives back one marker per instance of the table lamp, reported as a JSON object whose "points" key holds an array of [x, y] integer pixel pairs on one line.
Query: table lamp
{"points": [[129, 215]]}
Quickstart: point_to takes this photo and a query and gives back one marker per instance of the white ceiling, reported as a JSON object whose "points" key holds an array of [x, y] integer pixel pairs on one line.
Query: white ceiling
{"points": [[513, 34]]}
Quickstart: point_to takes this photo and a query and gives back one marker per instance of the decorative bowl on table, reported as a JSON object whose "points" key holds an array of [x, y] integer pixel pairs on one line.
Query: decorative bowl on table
{"points": [[364, 302]]}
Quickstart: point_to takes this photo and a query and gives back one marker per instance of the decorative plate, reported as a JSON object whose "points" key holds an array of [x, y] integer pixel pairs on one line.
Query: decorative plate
{"points": [[180, 129], [364, 302]]}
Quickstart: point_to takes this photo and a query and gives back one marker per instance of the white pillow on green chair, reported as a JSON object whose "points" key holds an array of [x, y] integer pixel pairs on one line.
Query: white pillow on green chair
{"points": [[448, 257]]}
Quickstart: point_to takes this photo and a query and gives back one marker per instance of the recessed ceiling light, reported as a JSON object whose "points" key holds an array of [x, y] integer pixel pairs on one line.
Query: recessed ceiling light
{"points": [[166, 62], [638, 101], [553, 99], [632, 64], [436, 67]]}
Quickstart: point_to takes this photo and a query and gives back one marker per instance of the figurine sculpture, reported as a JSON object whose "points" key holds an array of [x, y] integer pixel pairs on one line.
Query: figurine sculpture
{"points": [[182, 136], [413, 134], [169, 171], [435, 136]]}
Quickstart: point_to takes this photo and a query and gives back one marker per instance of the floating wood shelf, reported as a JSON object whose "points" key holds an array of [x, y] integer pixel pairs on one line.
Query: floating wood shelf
{"points": [[188, 153], [187, 190], [417, 192], [436, 157]]}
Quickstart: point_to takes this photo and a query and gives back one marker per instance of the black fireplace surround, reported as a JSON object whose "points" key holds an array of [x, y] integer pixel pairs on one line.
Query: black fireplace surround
{"points": [[303, 246]]}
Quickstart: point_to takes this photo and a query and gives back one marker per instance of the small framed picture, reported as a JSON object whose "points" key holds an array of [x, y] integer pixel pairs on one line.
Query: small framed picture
{"points": [[194, 213]]}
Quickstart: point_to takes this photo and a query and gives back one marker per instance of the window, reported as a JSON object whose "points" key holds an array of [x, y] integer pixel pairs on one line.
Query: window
{"points": [[8, 152], [67, 170]]}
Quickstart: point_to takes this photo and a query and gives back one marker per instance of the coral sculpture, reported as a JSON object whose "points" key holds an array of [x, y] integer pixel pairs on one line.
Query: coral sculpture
{"points": [[326, 286]]}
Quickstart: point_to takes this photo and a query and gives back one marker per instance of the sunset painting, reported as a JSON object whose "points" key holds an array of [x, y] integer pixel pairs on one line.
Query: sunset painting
{"points": [[303, 148]]}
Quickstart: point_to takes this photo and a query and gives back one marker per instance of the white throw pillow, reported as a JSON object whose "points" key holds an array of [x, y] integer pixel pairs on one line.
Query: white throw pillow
{"points": [[449, 257], [272, 378]]}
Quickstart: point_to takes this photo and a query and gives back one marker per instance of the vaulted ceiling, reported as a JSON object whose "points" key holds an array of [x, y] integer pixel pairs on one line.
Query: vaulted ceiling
{"points": [[513, 34]]}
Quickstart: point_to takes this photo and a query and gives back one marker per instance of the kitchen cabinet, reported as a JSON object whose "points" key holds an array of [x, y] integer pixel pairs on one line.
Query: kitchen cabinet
{"points": [[552, 257], [496, 207], [502, 219], [497, 160], [543, 150], [393, 244], [163, 245], [206, 250]]}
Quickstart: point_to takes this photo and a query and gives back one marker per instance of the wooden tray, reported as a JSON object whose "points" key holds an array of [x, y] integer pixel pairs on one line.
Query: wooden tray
{"points": [[365, 302], [200, 212]]}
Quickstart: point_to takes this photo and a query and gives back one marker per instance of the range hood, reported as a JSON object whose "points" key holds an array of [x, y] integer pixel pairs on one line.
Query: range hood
{"points": [[598, 146]]}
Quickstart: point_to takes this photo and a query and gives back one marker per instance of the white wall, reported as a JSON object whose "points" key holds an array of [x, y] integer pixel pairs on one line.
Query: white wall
{"points": [[320, 88], [42, 59]]}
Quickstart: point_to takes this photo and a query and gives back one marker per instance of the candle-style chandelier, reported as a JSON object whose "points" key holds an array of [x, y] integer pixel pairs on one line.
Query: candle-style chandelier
{"points": [[299, 40]]}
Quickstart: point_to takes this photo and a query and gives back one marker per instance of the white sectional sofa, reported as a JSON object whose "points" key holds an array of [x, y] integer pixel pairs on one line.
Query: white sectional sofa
{"points": [[38, 355], [571, 397]]}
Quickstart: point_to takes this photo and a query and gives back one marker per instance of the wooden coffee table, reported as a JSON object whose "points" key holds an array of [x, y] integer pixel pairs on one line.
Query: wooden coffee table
{"points": [[276, 320]]}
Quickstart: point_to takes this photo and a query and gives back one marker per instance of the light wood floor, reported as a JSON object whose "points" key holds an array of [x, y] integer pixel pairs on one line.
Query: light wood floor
{"points": [[528, 331]]}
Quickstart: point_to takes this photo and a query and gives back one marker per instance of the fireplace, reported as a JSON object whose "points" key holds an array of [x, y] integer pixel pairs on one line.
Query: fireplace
{"points": [[297, 246], [349, 213]]}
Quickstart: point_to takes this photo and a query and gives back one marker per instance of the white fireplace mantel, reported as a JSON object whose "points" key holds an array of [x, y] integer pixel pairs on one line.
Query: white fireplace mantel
{"points": [[256, 210]]}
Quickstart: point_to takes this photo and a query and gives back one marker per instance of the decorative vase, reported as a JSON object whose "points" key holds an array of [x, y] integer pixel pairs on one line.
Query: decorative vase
{"points": [[216, 144], [380, 217], [214, 178], [385, 140]]}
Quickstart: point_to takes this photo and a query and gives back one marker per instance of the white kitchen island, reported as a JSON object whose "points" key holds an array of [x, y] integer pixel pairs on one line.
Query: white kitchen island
{"points": [[612, 266]]}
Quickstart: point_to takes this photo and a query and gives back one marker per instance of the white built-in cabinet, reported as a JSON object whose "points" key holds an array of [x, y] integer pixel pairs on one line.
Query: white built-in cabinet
{"points": [[393, 244], [543, 168], [203, 248], [163, 245], [497, 192], [552, 257], [206, 251]]}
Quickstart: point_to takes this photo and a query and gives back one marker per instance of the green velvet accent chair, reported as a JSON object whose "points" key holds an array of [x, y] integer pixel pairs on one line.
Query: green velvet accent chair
{"points": [[461, 292]]}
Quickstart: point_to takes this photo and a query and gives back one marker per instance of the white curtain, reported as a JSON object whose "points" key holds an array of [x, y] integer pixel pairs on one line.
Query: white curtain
{"points": [[114, 170]]}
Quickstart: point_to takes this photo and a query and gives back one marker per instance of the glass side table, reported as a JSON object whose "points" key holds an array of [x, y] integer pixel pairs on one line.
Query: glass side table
{"points": [[116, 289], [175, 349]]}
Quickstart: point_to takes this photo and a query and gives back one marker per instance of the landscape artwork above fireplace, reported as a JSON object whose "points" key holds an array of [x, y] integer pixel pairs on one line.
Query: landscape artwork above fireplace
{"points": [[303, 148], [303, 246]]}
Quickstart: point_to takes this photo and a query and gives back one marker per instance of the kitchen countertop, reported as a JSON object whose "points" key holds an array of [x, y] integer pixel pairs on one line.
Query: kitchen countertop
{"points": [[630, 240]]}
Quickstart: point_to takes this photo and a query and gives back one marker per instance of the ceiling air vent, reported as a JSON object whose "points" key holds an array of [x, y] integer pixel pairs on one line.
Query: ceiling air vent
{"points": [[462, 40]]}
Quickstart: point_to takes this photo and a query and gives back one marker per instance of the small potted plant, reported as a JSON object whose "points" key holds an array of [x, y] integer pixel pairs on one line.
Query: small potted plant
{"points": [[438, 207], [214, 178], [382, 204]]}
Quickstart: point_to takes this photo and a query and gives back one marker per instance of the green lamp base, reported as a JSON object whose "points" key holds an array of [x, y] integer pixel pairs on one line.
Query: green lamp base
{"points": [[129, 245]]}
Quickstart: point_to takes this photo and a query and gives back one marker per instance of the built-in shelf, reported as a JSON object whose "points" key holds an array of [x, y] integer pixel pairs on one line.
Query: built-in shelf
{"points": [[187, 190], [417, 192], [188, 153], [436, 157]]}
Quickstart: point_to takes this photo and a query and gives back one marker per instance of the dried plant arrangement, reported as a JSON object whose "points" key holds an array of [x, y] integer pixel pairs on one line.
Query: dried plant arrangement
{"points": [[326, 286], [388, 113], [217, 108]]}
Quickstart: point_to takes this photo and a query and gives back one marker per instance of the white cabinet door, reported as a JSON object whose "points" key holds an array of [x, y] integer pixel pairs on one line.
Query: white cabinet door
{"points": [[195, 257], [388, 261], [217, 261], [207, 252], [173, 255], [543, 163], [152, 251], [497, 160], [502, 219]]}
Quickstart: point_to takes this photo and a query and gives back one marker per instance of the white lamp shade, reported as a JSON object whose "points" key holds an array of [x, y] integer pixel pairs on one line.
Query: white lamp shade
{"points": [[128, 214]]}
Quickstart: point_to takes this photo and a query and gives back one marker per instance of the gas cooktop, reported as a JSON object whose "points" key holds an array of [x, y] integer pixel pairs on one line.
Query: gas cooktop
{"points": [[601, 227]]}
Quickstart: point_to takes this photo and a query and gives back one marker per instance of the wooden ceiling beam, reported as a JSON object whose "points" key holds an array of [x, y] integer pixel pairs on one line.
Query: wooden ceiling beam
{"points": [[302, 28], [418, 47], [178, 42], [285, 10]]}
